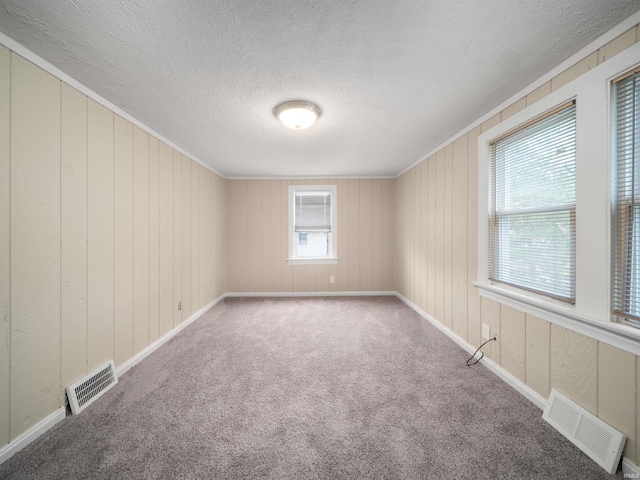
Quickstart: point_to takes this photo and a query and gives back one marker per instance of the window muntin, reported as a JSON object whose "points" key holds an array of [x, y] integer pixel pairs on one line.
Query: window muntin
{"points": [[312, 223], [625, 243], [532, 208]]}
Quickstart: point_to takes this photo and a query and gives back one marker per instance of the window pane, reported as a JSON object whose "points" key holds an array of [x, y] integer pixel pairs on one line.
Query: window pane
{"points": [[532, 219], [313, 244], [626, 186]]}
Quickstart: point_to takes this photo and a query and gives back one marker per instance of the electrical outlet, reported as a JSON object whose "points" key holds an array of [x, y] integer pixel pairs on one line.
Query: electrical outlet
{"points": [[486, 332], [332, 279], [179, 305]]}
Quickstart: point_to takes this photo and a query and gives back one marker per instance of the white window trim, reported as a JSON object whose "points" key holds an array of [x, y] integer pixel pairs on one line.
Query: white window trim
{"points": [[331, 259], [591, 314]]}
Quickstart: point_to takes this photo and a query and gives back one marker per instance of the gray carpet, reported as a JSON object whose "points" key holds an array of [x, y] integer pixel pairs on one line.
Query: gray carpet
{"points": [[306, 388]]}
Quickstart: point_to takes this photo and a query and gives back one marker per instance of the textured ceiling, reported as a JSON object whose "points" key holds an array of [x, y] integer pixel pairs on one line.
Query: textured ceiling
{"points": [[395, 78]]}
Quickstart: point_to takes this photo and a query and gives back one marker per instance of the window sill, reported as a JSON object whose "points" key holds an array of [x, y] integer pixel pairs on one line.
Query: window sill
{"points": [[313, 261], [617, 335]]}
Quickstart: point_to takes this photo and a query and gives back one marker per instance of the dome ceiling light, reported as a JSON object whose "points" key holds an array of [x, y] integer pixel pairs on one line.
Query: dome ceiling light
{"points": [[297, 114]]}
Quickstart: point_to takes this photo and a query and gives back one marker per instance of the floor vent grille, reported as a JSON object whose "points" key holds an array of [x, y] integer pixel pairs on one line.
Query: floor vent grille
{"points": [[594, 437], [86, 390]]}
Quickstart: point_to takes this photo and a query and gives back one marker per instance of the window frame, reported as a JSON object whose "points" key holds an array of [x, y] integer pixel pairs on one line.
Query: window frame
{"points": [[332, 257], [591, 313]]}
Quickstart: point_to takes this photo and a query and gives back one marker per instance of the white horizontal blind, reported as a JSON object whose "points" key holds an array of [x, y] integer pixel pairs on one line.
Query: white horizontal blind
{"points": [[312, 211], [626, 227], [532, 211]]}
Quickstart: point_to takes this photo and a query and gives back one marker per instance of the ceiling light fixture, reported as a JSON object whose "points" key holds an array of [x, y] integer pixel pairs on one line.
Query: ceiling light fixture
{"points": [[297, 114]]}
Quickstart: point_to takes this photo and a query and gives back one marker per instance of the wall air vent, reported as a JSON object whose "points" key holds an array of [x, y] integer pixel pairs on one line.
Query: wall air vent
{"points": [[594, 437], [82, 393]]}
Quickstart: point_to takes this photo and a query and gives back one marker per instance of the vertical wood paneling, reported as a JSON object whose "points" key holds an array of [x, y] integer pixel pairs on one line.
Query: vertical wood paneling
{"points": [[377, 255], [154, 240], [537, 338], [473, 297], [208, 236], [141, 239], [574, 366], [424, 236], [388, 226], [414, 255], [343, 236], [268, 232], [212, 237], [241, 239], [35, 244], [166, 238], [448, 225], [278, 236], [366, 233], [490, 314], [221, 233], [512, 341], [100, 228], [187, 294], [431, 236], [73, 295], [617, 393], [440, 236], [459, 238], [354, 234], [574, 71], [123, 201], [204, 257], [254, 235], [5, 237], [177, 237], [196, 262], [287, 270], [617, 45], [539, 93]]}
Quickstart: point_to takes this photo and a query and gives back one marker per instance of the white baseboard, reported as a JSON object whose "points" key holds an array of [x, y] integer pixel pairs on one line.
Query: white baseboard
{"points": [[30, 435], [523, 389], [309, 294], [122, 369], [630, 469]]}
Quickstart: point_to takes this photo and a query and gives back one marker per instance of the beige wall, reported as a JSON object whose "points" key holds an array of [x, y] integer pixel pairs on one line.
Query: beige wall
{"points": [[257, 232], [436, 211], [103, 230]]}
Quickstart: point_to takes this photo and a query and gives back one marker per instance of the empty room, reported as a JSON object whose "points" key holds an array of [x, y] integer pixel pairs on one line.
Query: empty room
{"points": [[296, 239]]}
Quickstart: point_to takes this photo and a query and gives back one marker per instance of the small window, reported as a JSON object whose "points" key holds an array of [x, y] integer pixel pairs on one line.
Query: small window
{"points": [[532, 206], [312, 224], [626, 197]]}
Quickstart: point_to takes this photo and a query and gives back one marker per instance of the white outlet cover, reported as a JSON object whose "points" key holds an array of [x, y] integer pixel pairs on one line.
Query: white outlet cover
{"points": [[485, 331]]}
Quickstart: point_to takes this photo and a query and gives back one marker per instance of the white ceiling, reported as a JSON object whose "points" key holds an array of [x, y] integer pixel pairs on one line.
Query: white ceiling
{"points": [[395, 78]]}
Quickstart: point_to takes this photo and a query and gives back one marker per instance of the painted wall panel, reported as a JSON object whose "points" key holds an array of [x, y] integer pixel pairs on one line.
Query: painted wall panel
{"points": [[278, 235], [123, 201], [187, 294], [617, 45], [287, 271], [177, 237], [424, 236], [448, 225], [353, 234], [35, 244], [459, 238], [165, 160], [512, 341], [100, 171], [196, 302], [539, 93], [574, 366], [255, 235], [617, 393], [388, 226], [366, 235], [154, 239], [204, 254], [221, 269], [440, 236], [5, 238], [73, 222], [343, 236], [473, 297], [141, 239], [431, 235], [537, 337]]}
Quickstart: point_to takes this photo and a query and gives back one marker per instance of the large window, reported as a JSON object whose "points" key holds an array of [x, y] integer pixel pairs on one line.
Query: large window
{"points": [[626, 218], [533, 200], [312, 224]]}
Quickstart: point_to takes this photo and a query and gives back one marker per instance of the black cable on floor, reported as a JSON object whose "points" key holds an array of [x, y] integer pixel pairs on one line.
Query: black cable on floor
{"points": [[474, 353]]}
